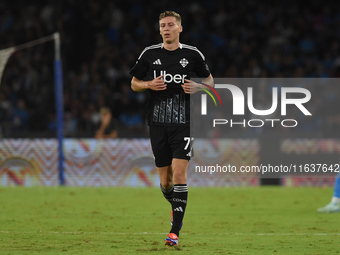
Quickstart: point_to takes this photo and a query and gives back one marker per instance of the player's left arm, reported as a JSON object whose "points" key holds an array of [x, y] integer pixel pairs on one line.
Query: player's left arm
{"points": [[191, 87], [209, 81], [201, 69]]}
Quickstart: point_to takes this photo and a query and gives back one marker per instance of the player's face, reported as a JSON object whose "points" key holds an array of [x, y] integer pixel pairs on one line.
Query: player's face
{"points": [[169, 29]]}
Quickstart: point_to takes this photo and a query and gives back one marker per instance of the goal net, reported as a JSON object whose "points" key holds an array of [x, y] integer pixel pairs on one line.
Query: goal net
{"points": [[5, 55]]}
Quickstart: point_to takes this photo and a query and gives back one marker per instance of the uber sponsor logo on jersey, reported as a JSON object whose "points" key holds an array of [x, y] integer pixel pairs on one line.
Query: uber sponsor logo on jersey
{"points": [[168, 78]]}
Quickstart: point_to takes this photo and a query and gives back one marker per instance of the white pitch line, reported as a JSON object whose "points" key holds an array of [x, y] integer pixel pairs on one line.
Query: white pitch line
{"points": [[79, 233], [279, 234], [151, 233]]}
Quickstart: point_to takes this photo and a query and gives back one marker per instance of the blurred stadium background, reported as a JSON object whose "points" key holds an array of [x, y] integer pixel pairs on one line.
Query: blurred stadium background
{"points": [[100, 42]]}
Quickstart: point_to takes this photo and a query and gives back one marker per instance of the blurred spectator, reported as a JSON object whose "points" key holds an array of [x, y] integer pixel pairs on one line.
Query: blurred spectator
{"points": [[100, 42], [107, 127], [19, 117], [130, 118]]}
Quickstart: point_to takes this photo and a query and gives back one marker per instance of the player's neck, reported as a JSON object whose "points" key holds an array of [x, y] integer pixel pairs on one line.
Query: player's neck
{"points": [[171, 46]]}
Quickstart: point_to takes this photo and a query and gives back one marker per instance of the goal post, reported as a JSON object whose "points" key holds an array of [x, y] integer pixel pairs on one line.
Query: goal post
{"points": [[5, 54], [58, 85]]}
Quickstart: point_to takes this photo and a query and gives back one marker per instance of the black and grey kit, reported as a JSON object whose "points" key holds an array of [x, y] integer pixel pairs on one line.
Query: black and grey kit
{"points": [[170, 106], [168, 112]]}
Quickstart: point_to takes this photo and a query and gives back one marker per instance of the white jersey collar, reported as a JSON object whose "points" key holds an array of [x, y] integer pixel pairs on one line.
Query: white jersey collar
{"points": [[180, 45]]}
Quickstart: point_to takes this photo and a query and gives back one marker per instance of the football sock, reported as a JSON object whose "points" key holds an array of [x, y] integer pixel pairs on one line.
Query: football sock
{"points": [[167, 193], [335, 200], [179, 202], [337, 187]]}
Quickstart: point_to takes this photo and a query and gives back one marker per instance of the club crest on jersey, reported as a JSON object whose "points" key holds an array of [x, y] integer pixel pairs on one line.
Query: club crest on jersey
{"points": [[168, 78], [184, 62]]}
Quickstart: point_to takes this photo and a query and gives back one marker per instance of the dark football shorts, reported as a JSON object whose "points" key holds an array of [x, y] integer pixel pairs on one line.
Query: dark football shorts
{"points": [[169, 142]]}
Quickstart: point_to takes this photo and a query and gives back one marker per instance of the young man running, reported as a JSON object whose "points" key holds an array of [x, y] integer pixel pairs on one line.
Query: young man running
{"points": [[163, 71]]}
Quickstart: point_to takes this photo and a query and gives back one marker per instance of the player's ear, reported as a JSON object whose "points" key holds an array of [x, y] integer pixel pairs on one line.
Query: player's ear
{"points": [[180, 29]]}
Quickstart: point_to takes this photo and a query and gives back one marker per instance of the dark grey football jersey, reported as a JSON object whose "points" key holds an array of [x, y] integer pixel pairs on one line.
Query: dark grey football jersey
{"points": [[170, 106]]}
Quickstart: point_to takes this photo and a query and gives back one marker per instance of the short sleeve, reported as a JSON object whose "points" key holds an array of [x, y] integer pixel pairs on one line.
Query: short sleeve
{"points": [[141, 68], [201, 69]]}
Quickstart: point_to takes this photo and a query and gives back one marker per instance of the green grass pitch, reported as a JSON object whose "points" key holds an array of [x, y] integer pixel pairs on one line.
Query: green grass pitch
{"points": [[262, 220]]}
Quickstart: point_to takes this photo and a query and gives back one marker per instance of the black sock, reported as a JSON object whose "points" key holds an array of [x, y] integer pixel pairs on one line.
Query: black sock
{"points": [[179, 202], [167, 193]]}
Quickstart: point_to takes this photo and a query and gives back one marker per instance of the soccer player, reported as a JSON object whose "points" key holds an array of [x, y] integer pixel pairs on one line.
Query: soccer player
{"points": [[333, 206], [163, 71]]}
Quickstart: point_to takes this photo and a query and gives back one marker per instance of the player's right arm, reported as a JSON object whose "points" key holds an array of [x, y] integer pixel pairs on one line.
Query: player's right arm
{"points": [[156, 84]]}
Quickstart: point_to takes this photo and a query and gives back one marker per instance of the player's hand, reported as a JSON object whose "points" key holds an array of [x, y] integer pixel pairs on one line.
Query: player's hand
{"points": [[157, 84], [190, 87]]}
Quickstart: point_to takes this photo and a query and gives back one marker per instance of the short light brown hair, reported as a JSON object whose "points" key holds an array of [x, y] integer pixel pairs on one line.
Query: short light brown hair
{"points": [[171, 14], [104, 110]]}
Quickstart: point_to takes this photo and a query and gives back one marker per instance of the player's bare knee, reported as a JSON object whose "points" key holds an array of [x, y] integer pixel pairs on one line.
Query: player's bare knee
{"points": [[167, 184], [180, 177]]}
